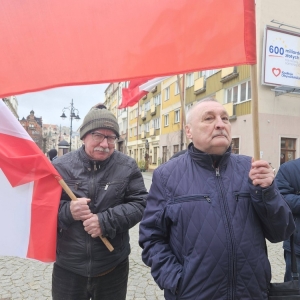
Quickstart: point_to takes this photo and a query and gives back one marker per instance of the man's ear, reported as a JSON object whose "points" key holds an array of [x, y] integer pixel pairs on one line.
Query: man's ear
{"points": [[188, 131]]}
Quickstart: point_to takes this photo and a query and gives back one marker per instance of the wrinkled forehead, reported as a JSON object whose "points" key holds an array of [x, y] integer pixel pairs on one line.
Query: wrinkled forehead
{"points": [[214, 108]]}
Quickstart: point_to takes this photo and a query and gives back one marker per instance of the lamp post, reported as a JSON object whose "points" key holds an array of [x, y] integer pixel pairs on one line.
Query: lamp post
{"points": [[74, 114]]}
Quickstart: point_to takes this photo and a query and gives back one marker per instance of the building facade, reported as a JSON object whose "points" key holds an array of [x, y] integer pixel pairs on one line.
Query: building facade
{"points": [[33, 125], [12, 104]]}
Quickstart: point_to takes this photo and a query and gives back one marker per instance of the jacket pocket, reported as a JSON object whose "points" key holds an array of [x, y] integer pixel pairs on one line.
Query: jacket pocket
{"points": [[79, 188], [240, 196], [110, 193], [189, 198]]}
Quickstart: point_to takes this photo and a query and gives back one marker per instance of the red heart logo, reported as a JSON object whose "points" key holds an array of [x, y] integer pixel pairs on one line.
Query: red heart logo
{"points": [[276, 71]]}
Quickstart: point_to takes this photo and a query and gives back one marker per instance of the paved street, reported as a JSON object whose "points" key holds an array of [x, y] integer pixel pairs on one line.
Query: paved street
{"points": [[26, 279]]}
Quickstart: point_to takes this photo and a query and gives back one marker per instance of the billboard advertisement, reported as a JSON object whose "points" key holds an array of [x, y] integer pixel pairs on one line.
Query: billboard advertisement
{"points": [[281, 58]]}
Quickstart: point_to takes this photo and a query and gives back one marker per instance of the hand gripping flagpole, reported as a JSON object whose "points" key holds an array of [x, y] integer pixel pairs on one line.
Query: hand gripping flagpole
{"points": [[73, 198]]}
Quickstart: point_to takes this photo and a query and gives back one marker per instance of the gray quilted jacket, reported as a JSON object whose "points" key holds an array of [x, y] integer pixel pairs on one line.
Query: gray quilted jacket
{"points": [[117, 192], [203, 230]]}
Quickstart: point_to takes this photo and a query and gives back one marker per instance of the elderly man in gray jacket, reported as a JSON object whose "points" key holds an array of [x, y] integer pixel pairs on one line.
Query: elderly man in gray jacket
{"points": [[111, 199]]}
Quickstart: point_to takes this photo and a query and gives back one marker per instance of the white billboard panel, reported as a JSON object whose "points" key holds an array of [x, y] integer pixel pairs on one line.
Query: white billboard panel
{"points": [[281, 58]]}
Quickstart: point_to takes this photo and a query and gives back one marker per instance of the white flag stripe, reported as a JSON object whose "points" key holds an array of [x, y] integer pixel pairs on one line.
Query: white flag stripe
{"points": [[150, 84], [15, 219], [11, 128]]}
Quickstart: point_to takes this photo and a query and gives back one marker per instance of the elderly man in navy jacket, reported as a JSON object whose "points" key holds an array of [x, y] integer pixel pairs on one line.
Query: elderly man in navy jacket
{"points": [[207, 216]]}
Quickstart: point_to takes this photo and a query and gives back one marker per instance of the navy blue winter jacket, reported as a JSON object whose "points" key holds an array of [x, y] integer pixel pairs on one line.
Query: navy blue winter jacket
{"points": [[204, 228], [288, 182]]}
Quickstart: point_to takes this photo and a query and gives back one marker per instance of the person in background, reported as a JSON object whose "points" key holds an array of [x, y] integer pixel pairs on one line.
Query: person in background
{"points": [[111, 197], [207, 216], [288, 182], [52, 154]]}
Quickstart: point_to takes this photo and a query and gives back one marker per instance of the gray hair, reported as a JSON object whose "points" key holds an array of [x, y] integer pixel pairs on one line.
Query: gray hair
{"points": [[190, 112]]}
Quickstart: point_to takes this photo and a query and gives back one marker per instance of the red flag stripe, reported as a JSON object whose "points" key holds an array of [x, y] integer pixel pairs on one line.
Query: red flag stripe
{"points": [[74, 42]]}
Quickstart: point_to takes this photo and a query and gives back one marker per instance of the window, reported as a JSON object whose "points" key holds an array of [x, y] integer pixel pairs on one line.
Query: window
{"points": [[208, 73], [141, 154], [235, 145], [155, 155], [243, 91], [167, 93], [288, 150], [166, 117], [157, 99], [188, 107], [175, 149], [176, 88], [147, 127], [239, 93], [156, 123], [235, 94], [177, 116], [134, 154], [189, 80], [124, 126], [164, 154], [147, 106]]}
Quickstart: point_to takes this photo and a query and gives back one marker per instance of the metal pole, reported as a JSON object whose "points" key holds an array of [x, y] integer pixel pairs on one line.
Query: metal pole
{"points": [[71, 117], [72, 110]]}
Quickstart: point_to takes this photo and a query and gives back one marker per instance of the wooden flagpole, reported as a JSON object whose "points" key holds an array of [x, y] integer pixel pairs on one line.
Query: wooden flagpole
{"points": [[73, 198], [183, 122], [254, 111]]}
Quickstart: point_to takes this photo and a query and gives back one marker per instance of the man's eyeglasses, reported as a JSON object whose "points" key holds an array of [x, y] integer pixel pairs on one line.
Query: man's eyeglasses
{"points": [[99, 137]]}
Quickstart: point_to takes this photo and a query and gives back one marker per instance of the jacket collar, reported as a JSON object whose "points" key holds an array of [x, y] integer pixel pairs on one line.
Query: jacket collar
{"points": [[206, 160], [91, 164]]}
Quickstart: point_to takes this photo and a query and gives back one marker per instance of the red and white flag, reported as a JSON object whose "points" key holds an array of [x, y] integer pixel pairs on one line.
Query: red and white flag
{"points": [[75, 42], [30, 194], [137, 89]]}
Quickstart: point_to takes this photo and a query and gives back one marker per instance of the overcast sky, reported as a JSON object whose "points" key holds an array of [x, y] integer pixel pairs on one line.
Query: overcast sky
{"points": [[49, 104]]}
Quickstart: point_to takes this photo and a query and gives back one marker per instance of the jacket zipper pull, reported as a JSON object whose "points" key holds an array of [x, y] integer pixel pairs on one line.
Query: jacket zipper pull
{"points": [[217, 172], [95, 167], [106, 187], [207, 199]]}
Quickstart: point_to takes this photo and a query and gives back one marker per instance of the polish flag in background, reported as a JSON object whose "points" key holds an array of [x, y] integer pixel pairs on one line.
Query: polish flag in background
{"points": [[137, 89], [30, 194]]}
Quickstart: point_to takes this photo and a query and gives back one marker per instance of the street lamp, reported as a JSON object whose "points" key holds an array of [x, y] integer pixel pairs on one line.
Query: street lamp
{"points": [[74, 114]]}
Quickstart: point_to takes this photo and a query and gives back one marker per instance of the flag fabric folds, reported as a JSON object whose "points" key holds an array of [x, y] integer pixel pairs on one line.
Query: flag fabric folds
{"points": [[30, 194], [137, 89], [74, 42]]}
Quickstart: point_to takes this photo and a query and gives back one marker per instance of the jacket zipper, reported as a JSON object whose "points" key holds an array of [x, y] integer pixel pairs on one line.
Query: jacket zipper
{"points": [[92, 193], [231, 236]]}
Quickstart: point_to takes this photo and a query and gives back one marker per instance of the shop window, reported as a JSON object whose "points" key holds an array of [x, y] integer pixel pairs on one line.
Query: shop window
{"points": [[288, 150]]}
